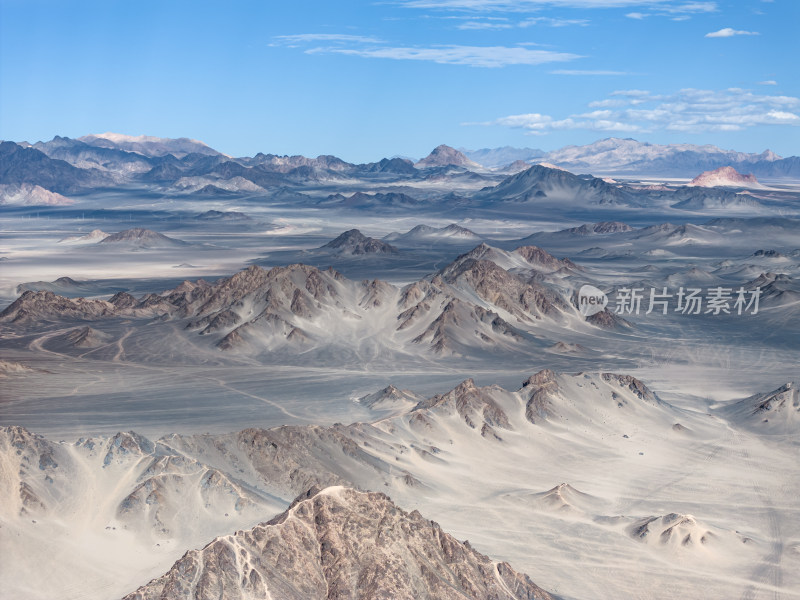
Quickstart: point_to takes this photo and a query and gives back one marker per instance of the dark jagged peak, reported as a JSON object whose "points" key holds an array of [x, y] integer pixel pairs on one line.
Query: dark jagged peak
{"points": [[298, 164], [522, 297], [25, 165], [337, 544], [360, 200], [482, 252], [632, 384], [47, 306], [767, 254], [25, 442], [62, 285], [540, 390], [607, 319], [85, 337], [475, 405], [396, 165], [212, 190], [124, 445], [562, 347], [419, 231], [462, 323], [543, 260], [30, 463], [769, 278], [777, 289], [443, 156], [140, 237], [356, 243], [455, 230], [66, 281], [660, 228], [698, 198], [602, 228], [122, 300], [391, 398], [516, 167], [217, 215], [542, 182], [425, 233]]}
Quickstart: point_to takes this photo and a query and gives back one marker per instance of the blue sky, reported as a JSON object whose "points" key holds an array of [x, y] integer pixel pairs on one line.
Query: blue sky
{"points": [[364, 80]]}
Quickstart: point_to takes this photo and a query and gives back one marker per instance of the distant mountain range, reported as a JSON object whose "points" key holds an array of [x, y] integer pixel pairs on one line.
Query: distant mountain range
{"points": [[500, 157], [630, 157], [182, 166]]}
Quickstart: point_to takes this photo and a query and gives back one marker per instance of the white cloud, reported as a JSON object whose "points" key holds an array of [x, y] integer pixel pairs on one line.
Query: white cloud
{"points": [[632, 93], [473, 56], [689, 110], [729, 32], [691, 7], [768, 82], [490, 24], [303, 38], [608, 102], [528, 5], [660, 7], [676, 12], [552, 22], [484, 25]]}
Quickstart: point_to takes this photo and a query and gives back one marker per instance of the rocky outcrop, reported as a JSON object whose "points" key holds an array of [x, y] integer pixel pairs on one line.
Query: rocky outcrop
{"points": [[340, 544]]}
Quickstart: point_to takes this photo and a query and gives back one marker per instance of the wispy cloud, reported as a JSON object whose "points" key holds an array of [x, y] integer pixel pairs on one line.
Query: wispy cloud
{"points": [[304, 38], [484, 25], [680, 11], [528, 5], [481, 22], [553, 22], [690, 7], [473, 56], [485, 6], [729, 32], [688, 111], [768, 82]]}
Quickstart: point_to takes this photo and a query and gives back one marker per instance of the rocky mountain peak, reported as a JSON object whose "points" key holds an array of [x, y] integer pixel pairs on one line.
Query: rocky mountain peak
{"points": [[335, 544], [443, 156], [356, 243], [723, 176]]}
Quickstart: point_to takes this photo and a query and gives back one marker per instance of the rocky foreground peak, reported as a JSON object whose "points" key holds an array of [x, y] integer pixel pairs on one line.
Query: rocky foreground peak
{"points": [[336, 544]]}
